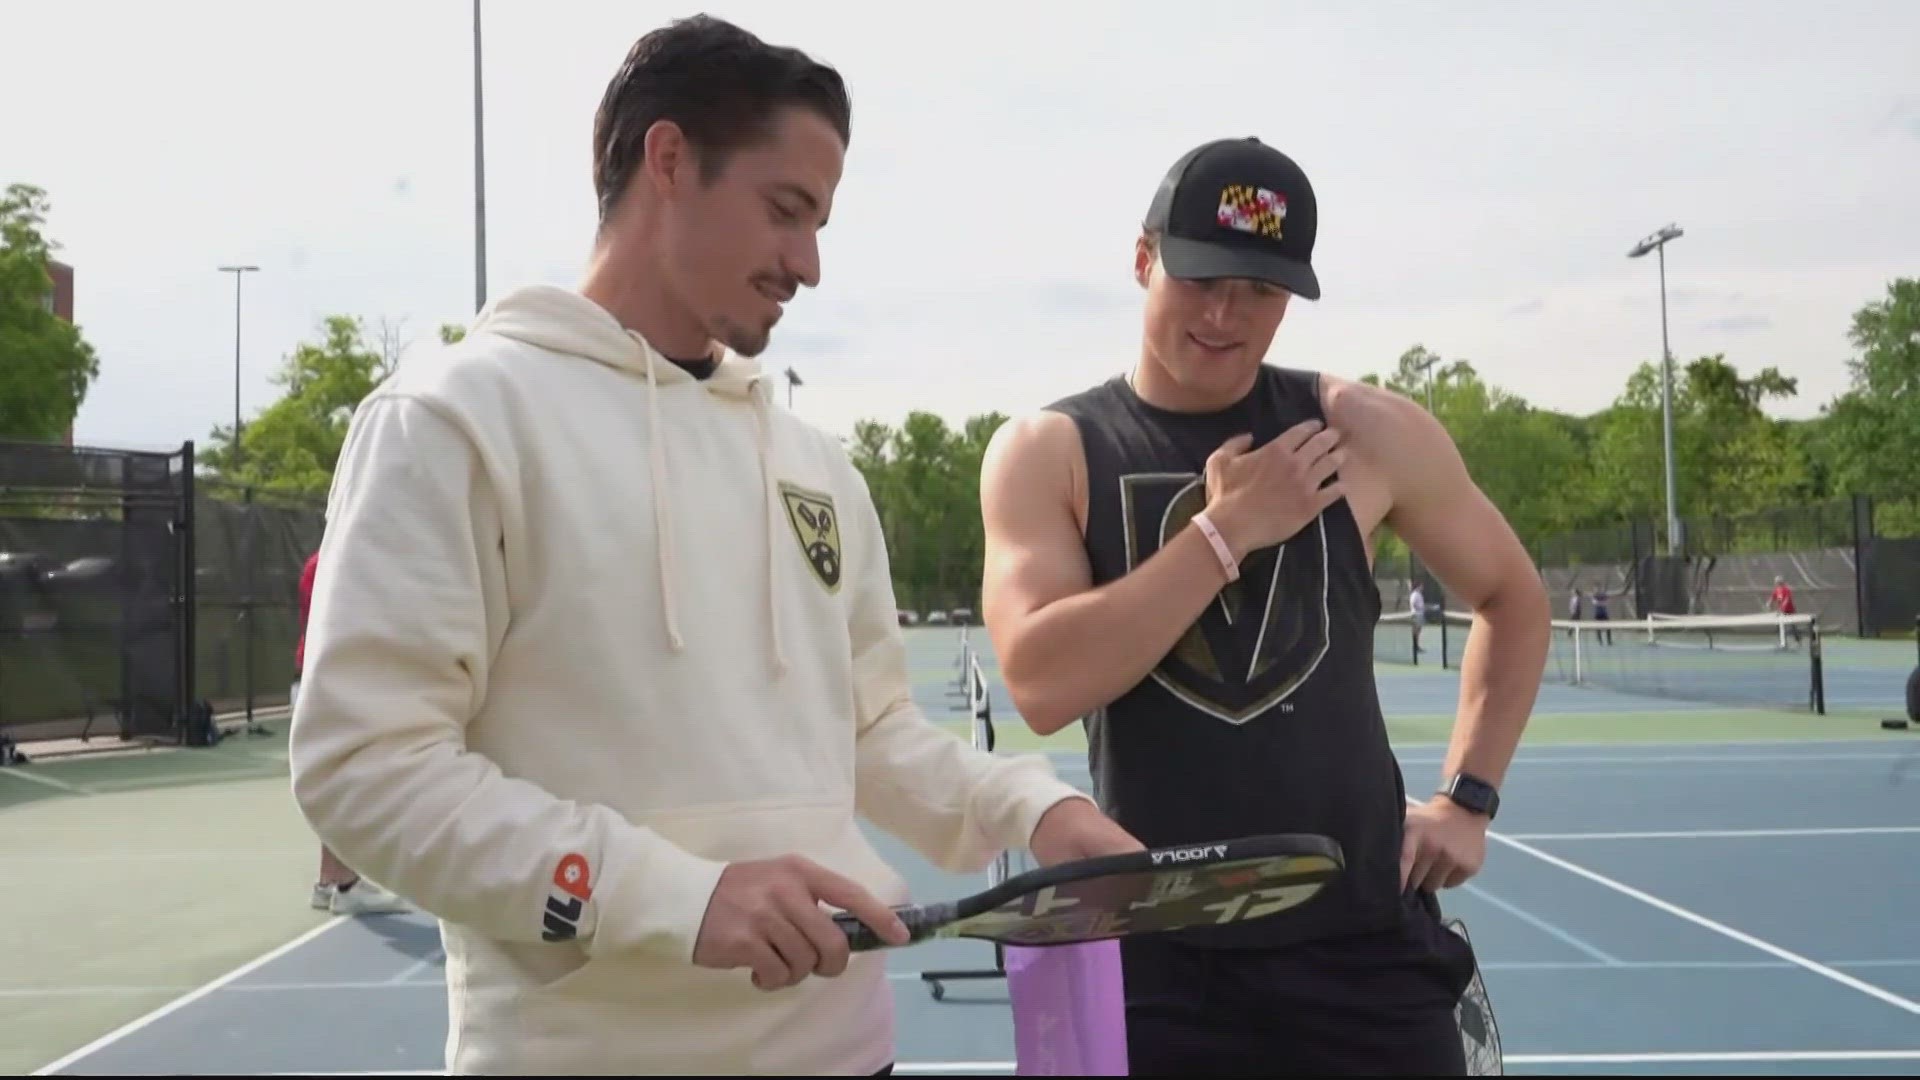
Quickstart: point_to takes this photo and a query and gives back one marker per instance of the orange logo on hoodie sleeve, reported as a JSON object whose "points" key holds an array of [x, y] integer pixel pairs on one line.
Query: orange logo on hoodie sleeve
{"points": [[571, 877]]}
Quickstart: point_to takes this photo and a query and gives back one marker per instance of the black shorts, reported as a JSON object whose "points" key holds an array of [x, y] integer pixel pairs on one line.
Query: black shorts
{"points": [[1365, 1004]]}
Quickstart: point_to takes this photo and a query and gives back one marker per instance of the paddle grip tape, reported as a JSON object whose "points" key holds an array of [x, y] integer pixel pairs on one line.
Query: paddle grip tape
{"points": [[921, 921]]}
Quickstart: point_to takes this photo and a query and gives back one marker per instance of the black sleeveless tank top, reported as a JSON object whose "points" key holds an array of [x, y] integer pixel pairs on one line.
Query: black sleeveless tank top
{"points": [[1264, 718]]}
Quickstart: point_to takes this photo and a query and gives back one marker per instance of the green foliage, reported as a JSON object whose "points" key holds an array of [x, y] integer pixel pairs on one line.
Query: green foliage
{"points": [[291, 446], [925, 480], [46, 366], [1553, 474]]}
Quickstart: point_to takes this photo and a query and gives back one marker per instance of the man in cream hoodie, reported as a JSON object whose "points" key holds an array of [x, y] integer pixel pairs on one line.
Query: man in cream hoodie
{"points": [[603, 665]]}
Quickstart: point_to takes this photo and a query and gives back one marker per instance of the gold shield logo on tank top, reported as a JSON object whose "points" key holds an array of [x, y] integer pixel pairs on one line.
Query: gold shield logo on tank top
{"points": [[1262, 637]]}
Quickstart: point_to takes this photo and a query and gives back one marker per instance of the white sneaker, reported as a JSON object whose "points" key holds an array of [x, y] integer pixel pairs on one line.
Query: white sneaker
{"points": [[366, 898], [322, 896]]}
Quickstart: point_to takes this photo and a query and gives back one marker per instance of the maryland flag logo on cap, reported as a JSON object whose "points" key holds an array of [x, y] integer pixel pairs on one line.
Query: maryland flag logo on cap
{"points": [[1252, 210]]}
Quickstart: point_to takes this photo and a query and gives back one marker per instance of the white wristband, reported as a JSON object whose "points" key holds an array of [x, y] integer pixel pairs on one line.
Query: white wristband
{"points": [[1220, 548]]}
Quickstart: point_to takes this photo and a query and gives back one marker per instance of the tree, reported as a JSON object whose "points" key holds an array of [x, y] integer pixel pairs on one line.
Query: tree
{"points": [[1507, 444], [292, 445], [1871, 433], [46, 366], [1730, 458], [924, 477]]}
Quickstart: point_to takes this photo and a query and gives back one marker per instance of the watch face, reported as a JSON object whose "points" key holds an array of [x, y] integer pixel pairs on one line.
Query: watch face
{"points": [[1471, 793]]}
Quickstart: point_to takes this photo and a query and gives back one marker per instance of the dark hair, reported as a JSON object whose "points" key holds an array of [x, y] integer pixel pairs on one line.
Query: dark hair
{"points": [[719, 83]]}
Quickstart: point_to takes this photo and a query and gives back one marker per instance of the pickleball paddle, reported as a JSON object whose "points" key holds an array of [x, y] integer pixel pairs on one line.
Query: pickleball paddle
{"points": [[1144, 892]]}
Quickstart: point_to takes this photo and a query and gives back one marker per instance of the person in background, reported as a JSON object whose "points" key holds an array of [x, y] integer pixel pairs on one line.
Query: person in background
{"points": [[1782, 602], [1604, 637], [1417, 605], [339, 889]]}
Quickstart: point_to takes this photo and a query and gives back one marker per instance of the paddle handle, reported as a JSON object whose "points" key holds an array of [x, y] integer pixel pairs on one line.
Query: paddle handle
{"points": [[921, 921]]}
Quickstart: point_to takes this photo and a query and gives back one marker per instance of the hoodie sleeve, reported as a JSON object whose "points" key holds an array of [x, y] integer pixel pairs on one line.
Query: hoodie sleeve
{"points": [[409, 608], [958, 806]]}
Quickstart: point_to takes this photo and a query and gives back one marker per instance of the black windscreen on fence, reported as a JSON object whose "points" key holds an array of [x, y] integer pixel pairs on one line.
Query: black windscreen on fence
{"points": [[135, 596], [93, 604]]}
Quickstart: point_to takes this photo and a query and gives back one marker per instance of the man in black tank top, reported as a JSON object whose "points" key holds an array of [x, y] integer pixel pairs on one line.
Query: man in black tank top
{"points": [[1180, 558]]}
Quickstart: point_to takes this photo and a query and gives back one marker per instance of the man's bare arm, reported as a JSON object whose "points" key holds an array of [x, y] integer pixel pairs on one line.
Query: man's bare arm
{"points": [[1464, 539], [1066, 648]]}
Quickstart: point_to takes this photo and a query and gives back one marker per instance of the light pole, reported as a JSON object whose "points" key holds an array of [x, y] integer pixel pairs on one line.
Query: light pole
{"points": [[238, 273], [479, 176], [1658, 243], [793, 380], [1427, 370]]}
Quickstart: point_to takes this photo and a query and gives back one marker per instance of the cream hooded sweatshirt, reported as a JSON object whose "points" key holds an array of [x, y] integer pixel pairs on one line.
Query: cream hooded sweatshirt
{"points": [[586, 629]]}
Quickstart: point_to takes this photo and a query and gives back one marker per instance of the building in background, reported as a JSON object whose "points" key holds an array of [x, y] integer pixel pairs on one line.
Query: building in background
{"points": [[60, 302]]}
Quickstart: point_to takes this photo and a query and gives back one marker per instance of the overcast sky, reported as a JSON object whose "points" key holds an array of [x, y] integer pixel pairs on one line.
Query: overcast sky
{"points": [[1482, 168]]}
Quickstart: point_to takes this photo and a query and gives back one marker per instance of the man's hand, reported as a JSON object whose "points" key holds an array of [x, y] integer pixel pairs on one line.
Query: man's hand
{"points": [[1445, 846], [1076, 829], [1262, 497], [766, 915]]}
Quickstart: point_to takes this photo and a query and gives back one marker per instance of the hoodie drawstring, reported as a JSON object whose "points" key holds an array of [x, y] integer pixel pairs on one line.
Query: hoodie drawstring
{"points": [[770, 506], [662, 516], [770, 509]]}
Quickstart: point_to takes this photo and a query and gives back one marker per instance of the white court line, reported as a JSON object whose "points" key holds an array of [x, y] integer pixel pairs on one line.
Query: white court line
{"points": [[947, 1068], [1724, 930], [1544, 926], [1697, 919], [951, 1068], [147, 855], [182, 1002], [1678, 759], [1729, 1057], [59, 785], [1725, 834], [436, 985], [1078, 759], [417, 967]]}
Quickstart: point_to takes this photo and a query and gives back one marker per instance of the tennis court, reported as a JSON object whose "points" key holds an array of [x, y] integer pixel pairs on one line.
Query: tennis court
{"points": [[1672, 887]]}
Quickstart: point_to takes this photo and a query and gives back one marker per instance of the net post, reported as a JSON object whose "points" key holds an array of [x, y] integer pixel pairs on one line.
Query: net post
{"points": [[186, 600], [1818, 668], [980, 709]]}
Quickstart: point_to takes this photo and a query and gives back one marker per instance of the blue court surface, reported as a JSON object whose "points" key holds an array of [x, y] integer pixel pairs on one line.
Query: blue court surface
{"points": [[1711, 907]]}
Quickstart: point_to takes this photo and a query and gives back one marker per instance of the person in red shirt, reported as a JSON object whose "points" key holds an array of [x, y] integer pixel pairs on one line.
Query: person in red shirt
{"points": [[339, 889], [1782, 602]]}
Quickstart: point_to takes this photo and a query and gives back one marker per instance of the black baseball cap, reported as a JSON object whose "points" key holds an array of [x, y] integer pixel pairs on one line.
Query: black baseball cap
{"points": [[1237, 208]]}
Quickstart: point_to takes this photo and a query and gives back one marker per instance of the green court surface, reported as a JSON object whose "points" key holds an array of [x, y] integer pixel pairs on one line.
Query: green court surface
{"points": [[139, 877], [149, 883]]}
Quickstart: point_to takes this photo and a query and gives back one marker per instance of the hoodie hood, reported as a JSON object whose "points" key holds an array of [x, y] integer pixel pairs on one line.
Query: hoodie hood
{"points": [[563, 321]]}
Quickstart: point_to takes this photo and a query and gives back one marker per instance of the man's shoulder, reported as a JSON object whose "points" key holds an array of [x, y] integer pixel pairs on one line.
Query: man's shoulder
{"points": [[448, 370], [1043, 438], [1374, 414], [1100, 395]]}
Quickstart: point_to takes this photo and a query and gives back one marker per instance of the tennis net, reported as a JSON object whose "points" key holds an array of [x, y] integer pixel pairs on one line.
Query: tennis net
{"points": [[1765, 661], [1396, 640]]}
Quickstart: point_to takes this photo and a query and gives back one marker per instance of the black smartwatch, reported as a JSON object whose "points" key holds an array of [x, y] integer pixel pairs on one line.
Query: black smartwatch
{"points": [[1472, 793]]}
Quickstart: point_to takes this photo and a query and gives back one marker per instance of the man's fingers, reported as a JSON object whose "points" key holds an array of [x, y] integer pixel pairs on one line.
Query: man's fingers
{"points": [[829, 944], [1238, 444], [1296, 436], [1330, 494], [1321, 470], [795, 949], [1230, 449], [1408, 848], [769, 971], [1321, 445], [848, 896]]}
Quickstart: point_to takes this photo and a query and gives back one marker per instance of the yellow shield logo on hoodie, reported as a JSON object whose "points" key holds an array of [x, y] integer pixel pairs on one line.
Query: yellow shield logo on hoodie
{"points": [[817, 527]]}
